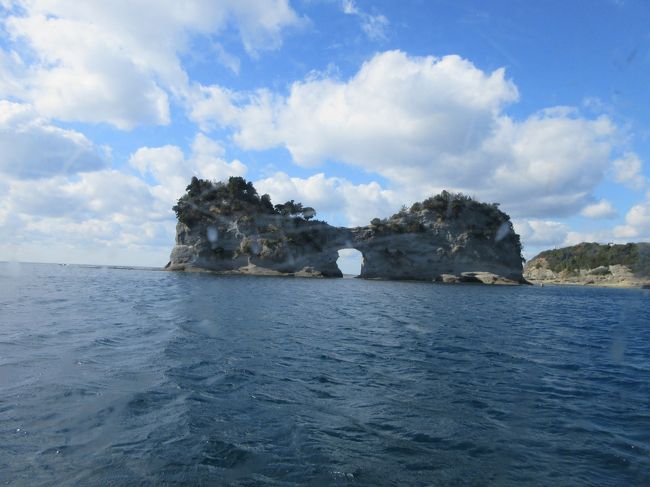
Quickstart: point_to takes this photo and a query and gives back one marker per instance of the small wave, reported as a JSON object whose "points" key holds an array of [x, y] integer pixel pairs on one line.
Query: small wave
{"points": [[165, 379]]}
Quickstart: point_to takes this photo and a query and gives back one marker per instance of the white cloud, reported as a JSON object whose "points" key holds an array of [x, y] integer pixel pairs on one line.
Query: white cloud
{"points": [[333, 197], [12, 114], [259, 22], [637, 223], [395, 108], [95, 213], [541, 233], [635, 229], [117, 62], [11, 65], [349, 7], [207, 162], [627, 170], [601, 209], [639, 216], [555, 234], [547, 165], [31, 148], [90, 196], [374, 26], [600, 236], [106, 210], [172, 170], [625, 232], [424, 124], [227, 59], [105, 216]]}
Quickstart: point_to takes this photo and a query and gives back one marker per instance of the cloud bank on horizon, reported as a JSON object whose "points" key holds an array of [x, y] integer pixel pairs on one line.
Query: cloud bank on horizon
{"points": [[107, 109]]}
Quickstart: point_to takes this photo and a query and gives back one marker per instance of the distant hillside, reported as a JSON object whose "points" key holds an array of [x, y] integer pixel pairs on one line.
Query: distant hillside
{"points": [[592, 263], [592, 255]]}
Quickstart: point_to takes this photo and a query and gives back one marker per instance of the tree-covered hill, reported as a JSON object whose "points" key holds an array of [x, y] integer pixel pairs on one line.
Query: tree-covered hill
{"points": [[592, 255]]}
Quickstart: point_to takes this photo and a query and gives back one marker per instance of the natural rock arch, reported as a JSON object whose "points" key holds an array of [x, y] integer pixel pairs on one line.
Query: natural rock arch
{"points": [[350, 261], [446, 235]]}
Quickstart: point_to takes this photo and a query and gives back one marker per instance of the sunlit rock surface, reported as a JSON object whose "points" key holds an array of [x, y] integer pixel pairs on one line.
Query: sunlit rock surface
{"points": [[592, 264], [228, 228]]}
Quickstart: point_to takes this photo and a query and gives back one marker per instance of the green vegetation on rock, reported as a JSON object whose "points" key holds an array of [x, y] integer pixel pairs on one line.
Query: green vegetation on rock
{"points": [[228, 227], [483, 221], [593, 255], [235, 196]]}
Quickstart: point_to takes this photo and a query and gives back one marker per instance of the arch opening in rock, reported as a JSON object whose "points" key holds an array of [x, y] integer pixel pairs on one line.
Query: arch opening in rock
{"points": [[349, 262]]}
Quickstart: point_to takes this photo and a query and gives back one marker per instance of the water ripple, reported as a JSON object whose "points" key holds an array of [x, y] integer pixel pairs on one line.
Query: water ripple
{"points": [[128, 377]]}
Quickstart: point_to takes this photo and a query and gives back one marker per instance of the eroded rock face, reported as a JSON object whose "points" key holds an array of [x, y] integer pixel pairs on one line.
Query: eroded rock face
{"points": [[421, 245], [257, 244], [445, 238]]}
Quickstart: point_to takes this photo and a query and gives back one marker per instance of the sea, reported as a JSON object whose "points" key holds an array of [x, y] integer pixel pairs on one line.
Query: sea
{"points": [[136, 377]]}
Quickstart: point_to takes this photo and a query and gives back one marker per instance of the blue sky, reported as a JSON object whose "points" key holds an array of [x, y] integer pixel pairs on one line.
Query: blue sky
{"points": [[353, 107]]}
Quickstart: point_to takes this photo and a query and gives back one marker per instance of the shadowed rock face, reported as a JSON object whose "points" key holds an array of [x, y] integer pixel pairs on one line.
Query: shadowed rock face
{"points": [[448, 238], [258, 244]]}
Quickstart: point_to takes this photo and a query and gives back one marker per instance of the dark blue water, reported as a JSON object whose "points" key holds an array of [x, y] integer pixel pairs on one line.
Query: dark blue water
{"points": [[130, 377]]}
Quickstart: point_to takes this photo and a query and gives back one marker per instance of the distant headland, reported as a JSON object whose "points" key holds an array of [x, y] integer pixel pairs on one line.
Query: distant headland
{"points": [[611, 265], [227, 228]]}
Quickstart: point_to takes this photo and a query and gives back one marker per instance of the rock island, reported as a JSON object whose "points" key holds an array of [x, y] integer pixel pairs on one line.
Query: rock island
{"points": [[227, 228]]}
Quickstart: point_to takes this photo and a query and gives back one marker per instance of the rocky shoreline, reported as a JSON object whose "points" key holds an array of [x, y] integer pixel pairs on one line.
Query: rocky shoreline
{"points": [[591, 264], [253, 270], [621, 277]]}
